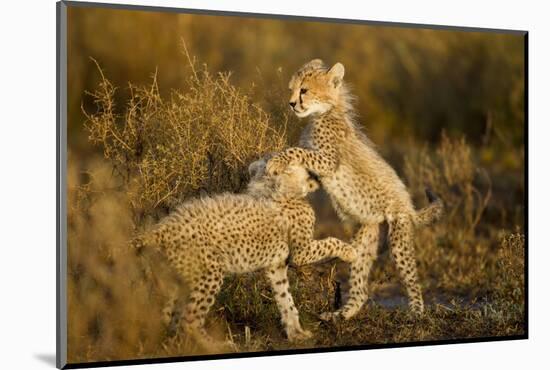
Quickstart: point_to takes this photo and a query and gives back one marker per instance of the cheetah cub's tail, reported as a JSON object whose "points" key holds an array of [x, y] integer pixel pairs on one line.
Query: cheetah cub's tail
{"points": [[431, 213]]}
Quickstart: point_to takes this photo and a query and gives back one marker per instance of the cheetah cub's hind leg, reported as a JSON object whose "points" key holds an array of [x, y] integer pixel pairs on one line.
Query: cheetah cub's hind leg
{"points": [[402, 251], [278, 278], [171, 315], [201, 298], [366, 243]]}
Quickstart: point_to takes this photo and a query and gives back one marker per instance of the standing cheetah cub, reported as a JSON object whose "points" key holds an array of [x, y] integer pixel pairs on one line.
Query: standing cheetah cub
{"points": [[363, 187], [267, 228]]}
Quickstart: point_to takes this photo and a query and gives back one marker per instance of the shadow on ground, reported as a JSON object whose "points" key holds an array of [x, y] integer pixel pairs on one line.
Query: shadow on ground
{"points": [[47, 358]]}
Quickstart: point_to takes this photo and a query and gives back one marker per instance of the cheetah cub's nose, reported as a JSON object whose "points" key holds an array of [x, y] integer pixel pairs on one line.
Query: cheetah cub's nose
{"points": [[292, 104]]}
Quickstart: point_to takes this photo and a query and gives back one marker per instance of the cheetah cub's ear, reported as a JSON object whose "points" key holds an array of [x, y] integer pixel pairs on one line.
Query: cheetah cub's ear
{"points": [[336, 75], [257, 168], [313, 64]]}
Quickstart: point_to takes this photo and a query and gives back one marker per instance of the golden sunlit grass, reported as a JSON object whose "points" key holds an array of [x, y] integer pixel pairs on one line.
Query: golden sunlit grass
{"points": [[202, 139], [161, 151], [158, 151]]}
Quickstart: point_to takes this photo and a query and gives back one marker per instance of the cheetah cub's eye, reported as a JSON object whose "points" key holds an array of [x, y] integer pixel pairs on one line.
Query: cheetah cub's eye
{"points": [[303, 91]]}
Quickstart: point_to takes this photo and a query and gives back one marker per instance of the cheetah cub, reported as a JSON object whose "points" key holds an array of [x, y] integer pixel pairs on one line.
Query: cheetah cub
{"points": [[268, 227], [363, 187]]}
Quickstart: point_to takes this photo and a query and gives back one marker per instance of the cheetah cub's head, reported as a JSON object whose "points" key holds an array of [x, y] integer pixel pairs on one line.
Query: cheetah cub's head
{"points": [[316, 89], [295, 182]]}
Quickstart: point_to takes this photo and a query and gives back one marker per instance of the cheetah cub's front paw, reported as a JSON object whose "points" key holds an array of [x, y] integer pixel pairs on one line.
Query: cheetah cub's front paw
{"points": [[349, 255]]}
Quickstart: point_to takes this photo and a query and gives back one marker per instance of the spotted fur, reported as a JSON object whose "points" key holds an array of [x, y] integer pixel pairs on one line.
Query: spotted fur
{"points": [[363, 187], [268, 227]]}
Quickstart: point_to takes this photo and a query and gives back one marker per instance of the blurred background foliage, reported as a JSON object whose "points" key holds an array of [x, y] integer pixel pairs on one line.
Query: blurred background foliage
{"points": [[409, 82]]}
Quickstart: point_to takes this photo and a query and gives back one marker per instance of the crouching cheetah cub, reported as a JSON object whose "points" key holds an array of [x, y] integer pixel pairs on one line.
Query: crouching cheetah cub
{"points": [[363, 187], [268, 227]]}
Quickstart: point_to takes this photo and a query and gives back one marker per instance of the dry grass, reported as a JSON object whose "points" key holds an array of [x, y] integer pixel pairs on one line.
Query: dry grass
{"points": [[110, 292], [159, 152], [201, 139]]}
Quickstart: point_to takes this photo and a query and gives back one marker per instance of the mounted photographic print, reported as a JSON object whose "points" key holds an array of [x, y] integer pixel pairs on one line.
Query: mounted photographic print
{"points": [[235, 185]]}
